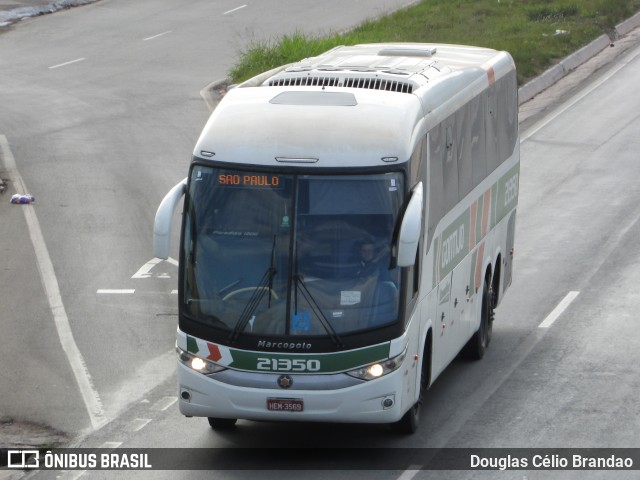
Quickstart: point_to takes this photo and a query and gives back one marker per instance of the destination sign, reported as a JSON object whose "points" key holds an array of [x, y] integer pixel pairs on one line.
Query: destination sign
{"points": [[249, 180]]}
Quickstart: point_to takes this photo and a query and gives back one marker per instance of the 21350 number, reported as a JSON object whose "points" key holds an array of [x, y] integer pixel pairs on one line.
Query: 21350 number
{"points": [[288, 365]]}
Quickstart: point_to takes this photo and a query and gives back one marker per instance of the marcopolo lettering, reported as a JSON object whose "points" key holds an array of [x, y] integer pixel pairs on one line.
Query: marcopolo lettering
{"points": [[284, 345]]}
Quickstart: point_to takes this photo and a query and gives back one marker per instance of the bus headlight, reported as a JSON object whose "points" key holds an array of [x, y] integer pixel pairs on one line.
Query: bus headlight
{"points": [[198, 364], [379, 369]]}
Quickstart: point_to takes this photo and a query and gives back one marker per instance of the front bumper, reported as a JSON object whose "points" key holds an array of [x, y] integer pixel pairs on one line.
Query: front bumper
{"points": [[376, 401]]}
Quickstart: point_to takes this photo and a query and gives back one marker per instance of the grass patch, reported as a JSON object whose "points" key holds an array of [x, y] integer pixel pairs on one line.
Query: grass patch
{"points": [[528, 29], [552, 14]]}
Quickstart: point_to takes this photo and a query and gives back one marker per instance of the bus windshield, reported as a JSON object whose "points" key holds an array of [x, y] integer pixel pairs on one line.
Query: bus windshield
{"points": [[290, 255]]}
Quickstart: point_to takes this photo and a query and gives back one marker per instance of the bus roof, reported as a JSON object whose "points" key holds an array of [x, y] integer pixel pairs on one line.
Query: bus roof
{"points": [[353, 106]]}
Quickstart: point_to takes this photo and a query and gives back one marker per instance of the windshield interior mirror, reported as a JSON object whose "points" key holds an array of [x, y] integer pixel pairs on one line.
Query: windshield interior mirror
{"points": [[409, 235]]}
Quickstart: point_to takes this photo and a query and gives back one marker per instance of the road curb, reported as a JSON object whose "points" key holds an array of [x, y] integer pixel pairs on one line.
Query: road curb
{"points": [[573, 61], [628, 25]]}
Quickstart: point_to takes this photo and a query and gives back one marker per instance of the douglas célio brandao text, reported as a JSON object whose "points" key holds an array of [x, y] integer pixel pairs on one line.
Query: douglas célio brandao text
{"points": [[550, 462]]}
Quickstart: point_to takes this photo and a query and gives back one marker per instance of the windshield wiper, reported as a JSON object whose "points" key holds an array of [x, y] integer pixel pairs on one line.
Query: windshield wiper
{"points": [[266, 283], [317, 310]]}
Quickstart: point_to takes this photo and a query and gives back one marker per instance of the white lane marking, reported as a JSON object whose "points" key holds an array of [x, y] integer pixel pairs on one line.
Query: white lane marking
{"points": [[563, 108], [164, 403], [116, 291], [111, 445], [138, 424], [50, 283], [174, 292], [67, 63], [156, 36], [172, 261], [145, 270], [409, 473], [562, 306], [234, 10]]}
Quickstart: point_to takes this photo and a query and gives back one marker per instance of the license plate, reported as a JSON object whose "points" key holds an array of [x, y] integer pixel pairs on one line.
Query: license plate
{"points": [[285, 404]]}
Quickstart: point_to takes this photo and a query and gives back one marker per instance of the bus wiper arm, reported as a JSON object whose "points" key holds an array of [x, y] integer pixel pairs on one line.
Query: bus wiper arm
{"points": [[318, 311], [266, 283], [252, 304]]}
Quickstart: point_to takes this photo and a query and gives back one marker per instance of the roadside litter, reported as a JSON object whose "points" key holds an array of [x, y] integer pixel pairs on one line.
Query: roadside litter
{"points": [[18, 198]]}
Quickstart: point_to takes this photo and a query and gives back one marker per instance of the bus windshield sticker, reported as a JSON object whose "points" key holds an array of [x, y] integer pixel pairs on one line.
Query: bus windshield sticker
{"points": [[301, 323], [350, 297]]}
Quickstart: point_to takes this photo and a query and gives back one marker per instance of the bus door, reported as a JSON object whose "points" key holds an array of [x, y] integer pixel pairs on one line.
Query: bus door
{"points": [[442, 324]]}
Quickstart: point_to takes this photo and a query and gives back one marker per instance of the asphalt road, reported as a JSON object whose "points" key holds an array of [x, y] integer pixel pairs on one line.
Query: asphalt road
{"points": [[101, 124], [101, 107]]}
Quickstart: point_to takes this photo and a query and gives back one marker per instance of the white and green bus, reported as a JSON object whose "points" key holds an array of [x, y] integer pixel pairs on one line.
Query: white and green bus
{"points": [[347, 231]]}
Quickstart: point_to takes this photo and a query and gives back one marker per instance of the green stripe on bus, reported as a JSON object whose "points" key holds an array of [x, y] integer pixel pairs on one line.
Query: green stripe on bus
{"points": [[308, 362], [507, 192], [449, 252], [453, 245], [192, 345]]}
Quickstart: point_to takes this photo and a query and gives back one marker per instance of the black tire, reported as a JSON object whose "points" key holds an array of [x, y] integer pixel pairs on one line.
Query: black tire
{"points": [[408, 424], [410, 421], [477, 345], [222, 423]]}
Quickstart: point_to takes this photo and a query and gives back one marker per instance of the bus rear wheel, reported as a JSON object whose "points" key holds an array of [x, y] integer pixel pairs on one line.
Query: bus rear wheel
{"points": [[222, 423]]}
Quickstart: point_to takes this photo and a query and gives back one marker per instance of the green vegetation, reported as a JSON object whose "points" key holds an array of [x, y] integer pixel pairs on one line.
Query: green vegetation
{"points": [[537, 33]]}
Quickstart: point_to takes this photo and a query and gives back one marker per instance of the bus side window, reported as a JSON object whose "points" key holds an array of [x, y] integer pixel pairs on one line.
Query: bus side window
{"points": [[507, 115], [478, 161], [450, 165], [491, 126], [436, 180], [463, 139]]}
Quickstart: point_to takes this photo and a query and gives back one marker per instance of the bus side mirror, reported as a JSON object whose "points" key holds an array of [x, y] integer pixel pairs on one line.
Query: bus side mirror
{"points": [[164, 217], [409, 235]]}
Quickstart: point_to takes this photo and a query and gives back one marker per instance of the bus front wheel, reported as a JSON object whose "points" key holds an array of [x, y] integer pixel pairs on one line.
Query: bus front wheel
{"points": [[221, 423], [478, 344], [409, 422]]}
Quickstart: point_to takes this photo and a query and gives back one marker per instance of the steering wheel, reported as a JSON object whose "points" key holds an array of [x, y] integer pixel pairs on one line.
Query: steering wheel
{"points": [[248, 289]]}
